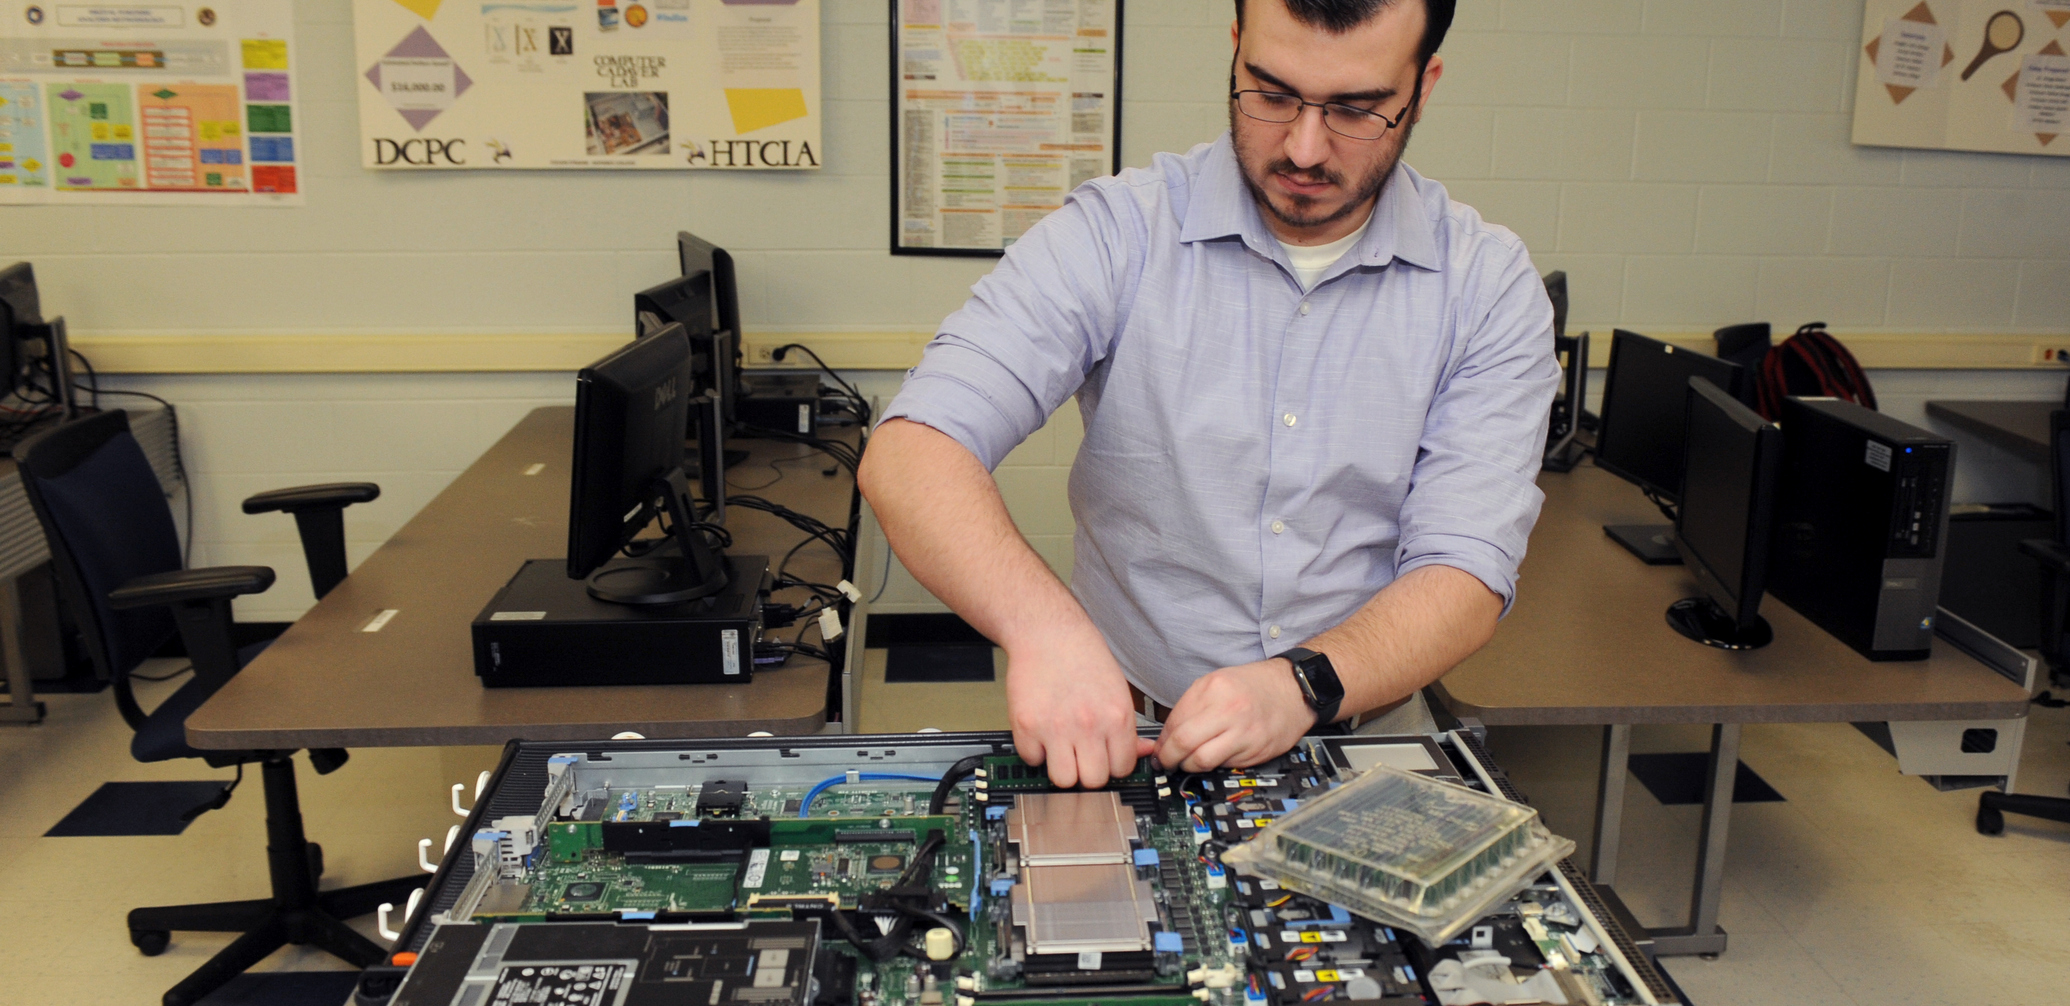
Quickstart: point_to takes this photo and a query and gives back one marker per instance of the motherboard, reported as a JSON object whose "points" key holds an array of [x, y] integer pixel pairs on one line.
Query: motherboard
{"points": [[956, 875]]}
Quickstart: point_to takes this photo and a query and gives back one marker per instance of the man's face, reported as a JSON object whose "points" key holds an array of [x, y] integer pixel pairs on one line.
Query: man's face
{"points": [[1313, 182]]}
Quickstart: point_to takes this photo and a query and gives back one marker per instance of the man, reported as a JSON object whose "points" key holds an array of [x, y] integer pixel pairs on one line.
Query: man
{"points": [[1315, 394]]}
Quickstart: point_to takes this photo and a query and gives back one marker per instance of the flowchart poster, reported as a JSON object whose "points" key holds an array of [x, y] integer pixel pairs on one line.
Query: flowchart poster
{"points": [[190, 104], [611, 84], [1988, 75]]}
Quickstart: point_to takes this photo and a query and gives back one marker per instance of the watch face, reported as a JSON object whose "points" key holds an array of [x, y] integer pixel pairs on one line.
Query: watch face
{"points": [[1319, 680]]}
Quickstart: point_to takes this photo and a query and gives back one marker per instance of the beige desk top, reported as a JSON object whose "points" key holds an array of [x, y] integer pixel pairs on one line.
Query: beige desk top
{"points": [[326, 683], [1587, 642]]}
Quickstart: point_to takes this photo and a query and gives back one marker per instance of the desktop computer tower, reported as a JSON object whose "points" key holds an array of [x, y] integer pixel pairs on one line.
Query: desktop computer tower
{"points": [[1860, 524], [787, 402], [544, 629]]}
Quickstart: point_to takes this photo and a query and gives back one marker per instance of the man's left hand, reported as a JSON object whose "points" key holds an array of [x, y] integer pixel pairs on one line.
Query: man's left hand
{"points": [[1234, 717]]}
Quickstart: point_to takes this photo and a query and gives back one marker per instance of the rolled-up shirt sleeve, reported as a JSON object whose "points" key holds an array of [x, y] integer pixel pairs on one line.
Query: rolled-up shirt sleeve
{"points": [[1474, 496], [1032, 329]]}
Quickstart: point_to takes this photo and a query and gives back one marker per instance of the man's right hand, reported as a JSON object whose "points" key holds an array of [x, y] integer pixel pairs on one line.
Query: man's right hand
{"points": [[1069, 707], [942, 513]]}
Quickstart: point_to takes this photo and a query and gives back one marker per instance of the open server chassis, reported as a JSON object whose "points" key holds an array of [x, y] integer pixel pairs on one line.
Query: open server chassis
{"points": [[667, 871]]}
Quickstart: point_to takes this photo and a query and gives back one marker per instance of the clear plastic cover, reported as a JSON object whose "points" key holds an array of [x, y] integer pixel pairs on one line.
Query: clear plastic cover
{"points": [[1419, 853]]}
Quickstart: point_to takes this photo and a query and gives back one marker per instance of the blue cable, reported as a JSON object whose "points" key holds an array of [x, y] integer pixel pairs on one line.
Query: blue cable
{"points": [[977, 875], [805, 805]]}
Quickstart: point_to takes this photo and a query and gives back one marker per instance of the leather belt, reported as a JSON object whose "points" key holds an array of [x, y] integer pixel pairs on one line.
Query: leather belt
{"points": [[1148, 706]]}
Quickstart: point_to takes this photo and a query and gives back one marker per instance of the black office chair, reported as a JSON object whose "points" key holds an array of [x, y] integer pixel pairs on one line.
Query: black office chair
{"points": [[117, 557], [2054, 557]]}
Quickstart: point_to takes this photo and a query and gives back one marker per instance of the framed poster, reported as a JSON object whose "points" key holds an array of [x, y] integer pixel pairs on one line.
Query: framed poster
{"points": [[1989, 75], [178, 104], [999, 108], [612, 84]]}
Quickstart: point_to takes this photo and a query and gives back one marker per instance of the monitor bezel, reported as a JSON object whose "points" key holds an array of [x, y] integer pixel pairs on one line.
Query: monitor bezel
{"points": [[1741, 600], [1621, 341]]}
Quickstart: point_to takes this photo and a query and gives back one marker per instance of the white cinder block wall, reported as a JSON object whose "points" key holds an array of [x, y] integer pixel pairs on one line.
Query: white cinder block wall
{"points": [[1686, 162]]}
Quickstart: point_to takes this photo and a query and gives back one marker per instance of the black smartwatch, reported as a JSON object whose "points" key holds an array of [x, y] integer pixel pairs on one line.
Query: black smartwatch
{"points": [[1318, 681]]}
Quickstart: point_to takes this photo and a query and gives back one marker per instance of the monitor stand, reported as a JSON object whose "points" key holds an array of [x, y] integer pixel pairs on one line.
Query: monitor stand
{"points": [[1701, 619], [1654, 544], [694, 467], [685, 568]]}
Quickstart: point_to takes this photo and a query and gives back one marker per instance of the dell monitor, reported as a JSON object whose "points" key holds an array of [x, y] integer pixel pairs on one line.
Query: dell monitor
{"points": [[1732, 464], [1639, 437], [631, 409], [701, 258]]}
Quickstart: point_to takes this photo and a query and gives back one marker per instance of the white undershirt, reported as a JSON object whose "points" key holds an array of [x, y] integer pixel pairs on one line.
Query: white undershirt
{"points": [[1309, 261]]}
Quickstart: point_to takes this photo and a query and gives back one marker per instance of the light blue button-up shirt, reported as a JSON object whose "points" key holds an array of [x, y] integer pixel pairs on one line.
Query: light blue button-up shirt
{"points": [[1259, 460]]}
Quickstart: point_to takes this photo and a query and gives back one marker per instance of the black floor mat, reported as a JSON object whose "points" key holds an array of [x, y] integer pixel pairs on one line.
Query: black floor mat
{"points": [[923, 629], [285, 988], [135, 808], [1678, 778], [959, 662]]}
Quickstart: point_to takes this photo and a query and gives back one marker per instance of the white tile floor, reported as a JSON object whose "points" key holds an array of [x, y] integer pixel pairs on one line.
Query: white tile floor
{"points": [[1865, 887]]}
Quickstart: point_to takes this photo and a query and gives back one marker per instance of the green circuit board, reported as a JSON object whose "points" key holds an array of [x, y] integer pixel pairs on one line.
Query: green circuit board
{"points": [[724, 853]]}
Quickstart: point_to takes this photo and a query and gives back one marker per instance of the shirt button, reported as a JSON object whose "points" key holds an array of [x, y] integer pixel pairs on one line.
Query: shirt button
{"points": [[1279, 526], [1273, 632], [1288, 418], [1304, 308]]}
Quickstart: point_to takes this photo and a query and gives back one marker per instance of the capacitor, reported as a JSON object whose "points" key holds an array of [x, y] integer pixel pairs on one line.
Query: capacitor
{"points": [[941, 944]]}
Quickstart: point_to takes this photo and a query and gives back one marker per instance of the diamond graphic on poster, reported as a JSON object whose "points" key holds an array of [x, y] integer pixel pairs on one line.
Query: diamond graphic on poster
{"points": [[419, 79]]}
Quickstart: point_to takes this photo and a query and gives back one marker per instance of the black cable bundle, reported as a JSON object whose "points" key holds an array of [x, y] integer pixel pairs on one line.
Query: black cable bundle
{"points": [[956, 773], [913, 897]]}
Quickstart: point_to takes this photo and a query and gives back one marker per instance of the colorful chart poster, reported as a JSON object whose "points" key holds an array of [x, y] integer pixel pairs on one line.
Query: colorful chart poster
{"points": [[1988, 75], [93, 137], [615, 84], [189, 104], [1001, 107], [24, 160]]}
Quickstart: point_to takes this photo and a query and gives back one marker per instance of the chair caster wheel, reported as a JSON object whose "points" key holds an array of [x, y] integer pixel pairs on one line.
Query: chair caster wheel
{"points": [[1990, 822], [151, 942]]}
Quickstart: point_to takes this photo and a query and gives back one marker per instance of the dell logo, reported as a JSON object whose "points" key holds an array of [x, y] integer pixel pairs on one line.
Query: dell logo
{"points": [[664, 393]]}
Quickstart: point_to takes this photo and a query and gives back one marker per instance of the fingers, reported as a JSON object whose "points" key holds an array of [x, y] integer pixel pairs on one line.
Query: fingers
{"points": [[1064, 768], [1216, 752], [1121, 753], [1028, 744]]}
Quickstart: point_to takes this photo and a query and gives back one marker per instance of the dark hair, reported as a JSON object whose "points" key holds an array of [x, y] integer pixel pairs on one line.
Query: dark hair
{"points": [[1339, 16]]}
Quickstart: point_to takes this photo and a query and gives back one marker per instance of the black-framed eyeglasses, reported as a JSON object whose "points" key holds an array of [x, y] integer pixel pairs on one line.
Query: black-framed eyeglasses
{"points": [[1344, 120]]}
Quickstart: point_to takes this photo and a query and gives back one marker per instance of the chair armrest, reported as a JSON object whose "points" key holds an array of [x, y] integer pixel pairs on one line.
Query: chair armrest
{"points": [[182, 585], [298, 498], [2054, 556]]}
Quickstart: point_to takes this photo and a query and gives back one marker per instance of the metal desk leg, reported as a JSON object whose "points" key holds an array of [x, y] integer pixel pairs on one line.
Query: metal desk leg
{"points": [[22, 706], [1617, 752], [1702, 935]]}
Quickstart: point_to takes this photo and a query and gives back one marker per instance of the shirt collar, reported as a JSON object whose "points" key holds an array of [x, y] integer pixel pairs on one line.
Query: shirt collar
{"points": [[1222, 206]]}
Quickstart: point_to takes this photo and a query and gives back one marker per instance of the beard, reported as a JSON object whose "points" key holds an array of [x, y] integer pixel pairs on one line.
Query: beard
{"points": [[1308, 211]]}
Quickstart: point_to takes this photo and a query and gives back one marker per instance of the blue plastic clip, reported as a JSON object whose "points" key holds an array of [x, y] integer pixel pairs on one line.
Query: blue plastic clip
{"points": [[1002, 886], [628, 916], [1168, 942], [995, 813], [1146, 857]]}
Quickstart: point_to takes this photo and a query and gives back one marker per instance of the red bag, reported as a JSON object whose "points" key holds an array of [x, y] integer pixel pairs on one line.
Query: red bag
{"points": [[1810, 363]]}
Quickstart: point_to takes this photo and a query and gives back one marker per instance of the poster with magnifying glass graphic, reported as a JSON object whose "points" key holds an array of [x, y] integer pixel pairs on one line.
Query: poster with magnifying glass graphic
{"points": [[1991, 75]]}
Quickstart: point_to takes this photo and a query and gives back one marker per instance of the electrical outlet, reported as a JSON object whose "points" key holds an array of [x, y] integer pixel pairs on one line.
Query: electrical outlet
{"points": [[2044, 353], [763, 354]]}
